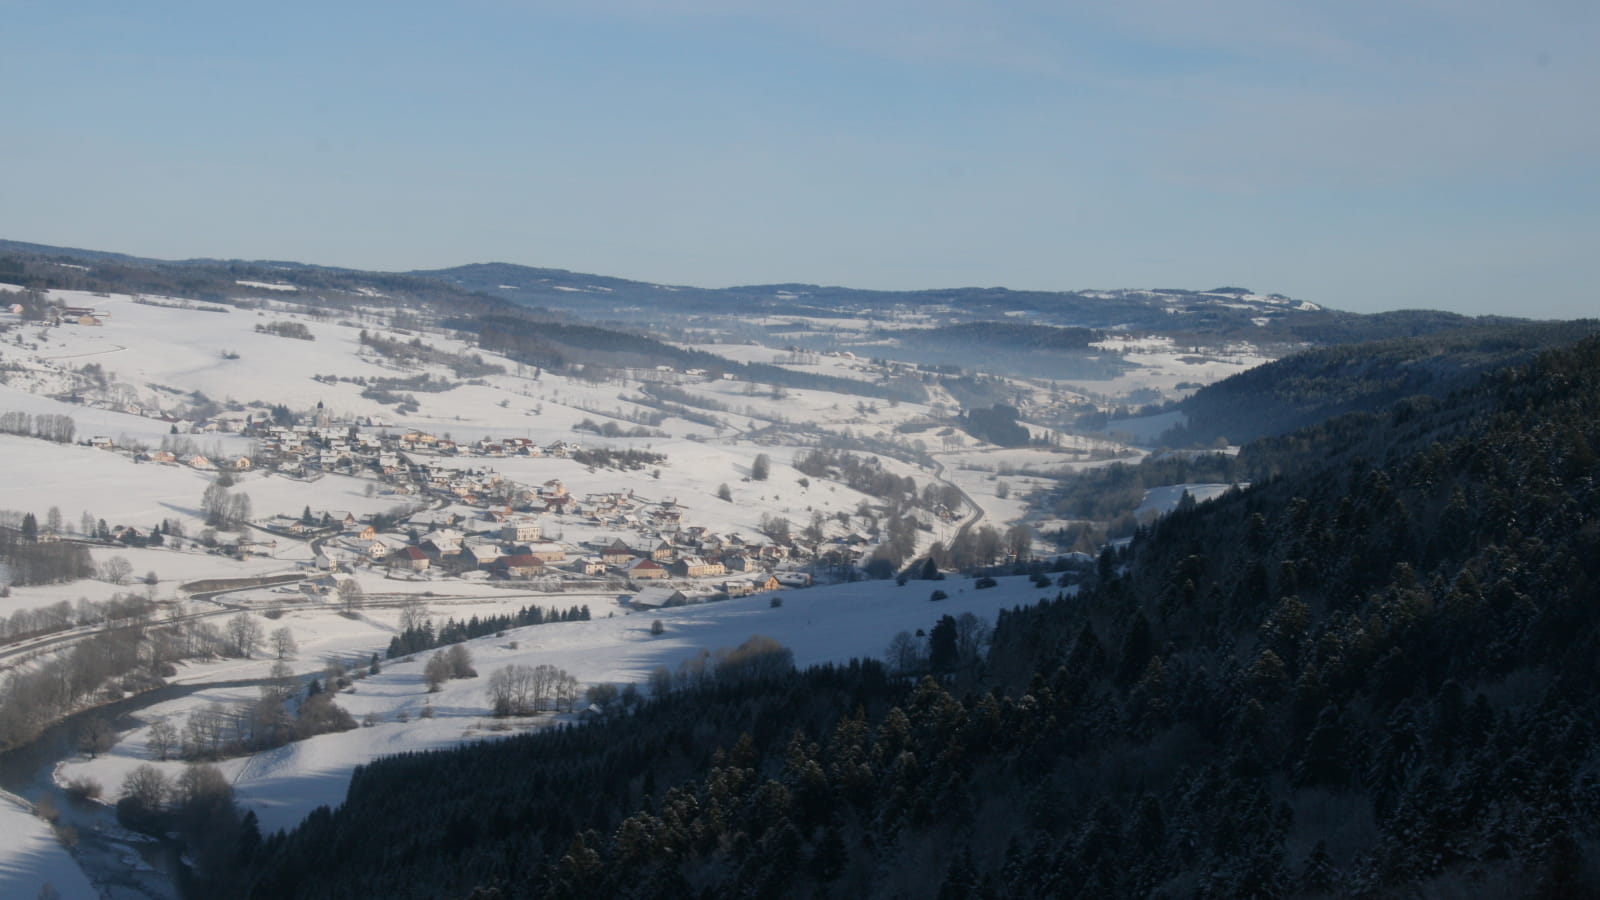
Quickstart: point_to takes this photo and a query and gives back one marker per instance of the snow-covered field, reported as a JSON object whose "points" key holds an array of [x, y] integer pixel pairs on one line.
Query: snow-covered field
{"points": [[32, 858], [822, 624], [1159, 501], [139, 377]]}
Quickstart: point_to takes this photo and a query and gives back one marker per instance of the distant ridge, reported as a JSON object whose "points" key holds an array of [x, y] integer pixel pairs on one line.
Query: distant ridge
{"points": [[1231, 313]]}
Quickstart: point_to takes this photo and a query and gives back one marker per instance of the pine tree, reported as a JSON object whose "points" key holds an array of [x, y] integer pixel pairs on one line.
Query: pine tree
{"points": [[943, 650]]}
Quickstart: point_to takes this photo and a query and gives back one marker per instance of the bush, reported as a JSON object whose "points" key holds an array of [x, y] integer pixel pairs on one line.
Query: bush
{"points": [[938, 595], [776, 602], [84, 788], [656, 627], [984, 582]]}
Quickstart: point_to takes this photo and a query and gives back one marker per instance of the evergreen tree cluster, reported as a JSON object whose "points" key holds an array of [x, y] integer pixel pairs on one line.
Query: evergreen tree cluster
{"points": [[998, 425], [418, 638], [1371, 674], [1307, 388]]}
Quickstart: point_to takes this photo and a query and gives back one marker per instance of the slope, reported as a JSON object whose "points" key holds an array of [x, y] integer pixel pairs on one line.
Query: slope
{"points": [[1368, 676], [1310, 387]]}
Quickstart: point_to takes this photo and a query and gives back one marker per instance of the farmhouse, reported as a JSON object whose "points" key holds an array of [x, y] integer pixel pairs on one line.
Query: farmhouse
{"points": [[520, 531], [547, 551], [479, 554], [658, 597], [409, 558], [520, 565], [645, 568], [697, 567], [617, 554]]}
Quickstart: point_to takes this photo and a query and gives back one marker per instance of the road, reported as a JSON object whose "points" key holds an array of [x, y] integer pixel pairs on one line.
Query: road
{"points": [[962, 529]]}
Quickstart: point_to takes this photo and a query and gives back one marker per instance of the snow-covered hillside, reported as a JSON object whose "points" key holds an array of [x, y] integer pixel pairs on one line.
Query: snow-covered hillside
{"points": [[822, 624], [356, 434]]}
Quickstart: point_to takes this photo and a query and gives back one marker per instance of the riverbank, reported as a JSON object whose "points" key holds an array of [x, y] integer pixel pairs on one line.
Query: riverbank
{"points": [[31, 857], [106, 860]]}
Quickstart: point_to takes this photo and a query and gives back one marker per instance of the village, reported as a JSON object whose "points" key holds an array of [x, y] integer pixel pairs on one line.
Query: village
{"points": [[469, 523]]}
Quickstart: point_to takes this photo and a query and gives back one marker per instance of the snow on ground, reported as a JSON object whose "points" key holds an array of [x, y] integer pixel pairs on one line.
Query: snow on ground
{"points": [[267, 285], [41, 474], [823, 624], [981, 472], [1162, 365], [1159, 501], [31, 857], [111, 486], [154, 358], [833, 364], [124, 428], [1146, 429]]}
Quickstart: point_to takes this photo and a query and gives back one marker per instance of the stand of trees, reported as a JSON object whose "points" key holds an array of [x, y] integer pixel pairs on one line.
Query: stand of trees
{"points": [[1370, 675], [223, 509], [522, 690], [46, 426], [862, 473], [27, 560], [296, 330], [998, 425], [416, 637]]}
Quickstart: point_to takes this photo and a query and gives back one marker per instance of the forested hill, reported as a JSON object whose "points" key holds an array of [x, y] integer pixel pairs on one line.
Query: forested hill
{"points": [[1233, 312], [1372, 675], [1225, 313], [1315, 385]]}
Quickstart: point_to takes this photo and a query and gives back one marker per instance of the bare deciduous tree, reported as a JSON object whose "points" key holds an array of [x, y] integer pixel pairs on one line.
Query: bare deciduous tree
{"points": [[412, 614], [163, 739], [351, 596], [283, 643], [147, 787], [96, 736], [437, 671], [117, 570], [904, 654], [244, 634], [460, 659]]}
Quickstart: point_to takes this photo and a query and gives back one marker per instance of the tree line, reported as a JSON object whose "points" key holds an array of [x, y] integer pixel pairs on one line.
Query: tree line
{"points": [[421, 635], [45, 426], [1368, 675]]}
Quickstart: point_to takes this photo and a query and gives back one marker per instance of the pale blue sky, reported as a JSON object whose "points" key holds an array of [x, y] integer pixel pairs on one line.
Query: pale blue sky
{"points": [[1364, 154]]}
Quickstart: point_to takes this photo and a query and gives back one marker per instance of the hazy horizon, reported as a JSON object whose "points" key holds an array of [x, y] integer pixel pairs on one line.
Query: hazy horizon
{"points": [[1362, 156]]}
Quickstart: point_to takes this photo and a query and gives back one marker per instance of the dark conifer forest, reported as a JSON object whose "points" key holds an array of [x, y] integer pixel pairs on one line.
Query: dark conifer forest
{"points": [[1371, 674]]}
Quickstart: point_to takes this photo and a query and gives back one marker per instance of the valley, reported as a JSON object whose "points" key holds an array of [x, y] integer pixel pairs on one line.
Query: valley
{"points": [[340, 467]]}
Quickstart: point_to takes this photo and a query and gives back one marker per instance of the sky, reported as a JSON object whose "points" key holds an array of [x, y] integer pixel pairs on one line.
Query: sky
{"points": [[1362, 154]]}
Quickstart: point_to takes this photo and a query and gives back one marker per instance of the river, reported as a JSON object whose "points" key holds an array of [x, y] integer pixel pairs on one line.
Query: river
{"points": [[124, 865]]}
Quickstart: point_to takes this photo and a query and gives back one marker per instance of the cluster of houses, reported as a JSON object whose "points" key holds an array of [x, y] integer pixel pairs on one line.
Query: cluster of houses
{"points": [[193, 460], [80, 315], [491, 544], [489, 526], [496, 543]]}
